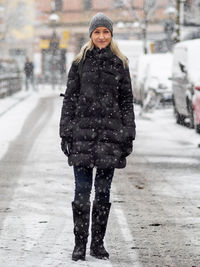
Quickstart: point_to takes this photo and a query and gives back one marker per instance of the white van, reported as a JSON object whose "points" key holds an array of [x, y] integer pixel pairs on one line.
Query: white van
{"points": [[133, 49], [185, 75]]}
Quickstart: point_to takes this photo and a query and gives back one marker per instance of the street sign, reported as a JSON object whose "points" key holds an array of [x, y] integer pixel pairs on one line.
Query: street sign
{"points": [[65, 35], [44, 44]]}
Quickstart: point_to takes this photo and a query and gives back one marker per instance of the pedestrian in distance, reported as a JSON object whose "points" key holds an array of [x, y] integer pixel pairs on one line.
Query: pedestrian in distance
{"points": [[29, 73], [97, 128]]}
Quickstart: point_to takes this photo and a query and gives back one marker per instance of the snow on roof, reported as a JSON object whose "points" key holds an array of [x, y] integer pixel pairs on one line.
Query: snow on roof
{"points": [[189, 43]]}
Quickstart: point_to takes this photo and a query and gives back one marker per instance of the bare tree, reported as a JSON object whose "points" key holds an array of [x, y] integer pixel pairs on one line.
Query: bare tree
{"points": [[16, 16], [188, 14], [192, 12], [148, 9]]}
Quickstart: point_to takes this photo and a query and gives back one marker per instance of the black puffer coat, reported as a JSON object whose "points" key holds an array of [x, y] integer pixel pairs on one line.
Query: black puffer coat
{"points": [[97, 119]]}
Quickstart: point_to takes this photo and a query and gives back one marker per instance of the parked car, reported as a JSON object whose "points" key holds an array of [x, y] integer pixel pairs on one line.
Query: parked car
{"points": [[153, 73], [196, 107], [158, 72], [185, 76], [10, 77]]}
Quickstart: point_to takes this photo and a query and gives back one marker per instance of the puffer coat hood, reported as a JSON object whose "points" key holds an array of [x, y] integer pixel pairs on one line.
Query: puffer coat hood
{"points": [[97, 117]]}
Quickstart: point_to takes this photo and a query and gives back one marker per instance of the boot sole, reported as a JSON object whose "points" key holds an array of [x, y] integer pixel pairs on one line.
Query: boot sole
{"points": [[101, 257], [80, 258]]}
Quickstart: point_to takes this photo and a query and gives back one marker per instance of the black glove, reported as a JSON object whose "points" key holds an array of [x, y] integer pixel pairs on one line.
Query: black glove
{"points": [[65, 146]]}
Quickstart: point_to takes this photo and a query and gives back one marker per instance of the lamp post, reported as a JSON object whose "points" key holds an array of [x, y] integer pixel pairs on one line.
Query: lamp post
{"points": [[144, 33], [179, 19], [143, 27], [169, 26], [54, 45]]}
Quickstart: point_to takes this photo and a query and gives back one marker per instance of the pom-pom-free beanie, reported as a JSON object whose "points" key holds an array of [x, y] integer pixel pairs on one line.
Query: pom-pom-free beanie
{"points": [[100, 20]]}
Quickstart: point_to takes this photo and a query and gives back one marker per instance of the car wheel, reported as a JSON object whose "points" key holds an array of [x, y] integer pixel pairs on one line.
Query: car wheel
{"points": [[179, 118], [191, 114], [197, 128]]}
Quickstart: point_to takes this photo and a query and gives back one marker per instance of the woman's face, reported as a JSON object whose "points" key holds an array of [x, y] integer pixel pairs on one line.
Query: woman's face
{"points": [[101, 37]]}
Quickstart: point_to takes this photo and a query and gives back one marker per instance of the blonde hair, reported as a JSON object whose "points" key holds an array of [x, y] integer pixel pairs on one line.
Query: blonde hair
{"points": [[90, 45]]}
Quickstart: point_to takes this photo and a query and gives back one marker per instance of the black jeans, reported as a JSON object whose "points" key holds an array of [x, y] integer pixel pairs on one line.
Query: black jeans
{"points": [[83, 184]]}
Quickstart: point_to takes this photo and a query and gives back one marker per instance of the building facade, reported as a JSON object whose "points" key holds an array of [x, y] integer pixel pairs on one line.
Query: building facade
{"points": [[74, 16], [50, 30]]}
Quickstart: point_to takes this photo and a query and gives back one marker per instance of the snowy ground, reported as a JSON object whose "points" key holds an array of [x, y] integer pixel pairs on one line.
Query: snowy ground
{"points": [[34, 231], [160, 188]]}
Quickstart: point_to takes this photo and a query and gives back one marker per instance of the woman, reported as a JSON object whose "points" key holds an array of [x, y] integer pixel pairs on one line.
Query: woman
{"points": [[97, 129]]}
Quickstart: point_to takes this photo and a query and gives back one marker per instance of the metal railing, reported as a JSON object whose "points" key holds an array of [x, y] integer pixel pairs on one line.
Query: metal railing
{"points": [[10, 78]]}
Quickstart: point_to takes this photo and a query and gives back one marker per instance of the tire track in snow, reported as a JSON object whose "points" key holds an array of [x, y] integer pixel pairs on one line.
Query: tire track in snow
{"points": [[126, 233], [11, 106]]}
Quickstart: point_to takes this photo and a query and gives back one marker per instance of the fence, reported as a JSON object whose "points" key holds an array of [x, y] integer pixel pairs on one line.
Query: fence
{"points": [[10, 78]]}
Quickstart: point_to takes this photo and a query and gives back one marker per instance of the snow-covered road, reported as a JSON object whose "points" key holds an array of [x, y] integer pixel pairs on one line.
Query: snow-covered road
{"points": [[156, 202]]}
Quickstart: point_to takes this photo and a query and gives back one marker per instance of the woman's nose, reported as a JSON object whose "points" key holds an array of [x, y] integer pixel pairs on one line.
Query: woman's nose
{"points": [[101, 36]]}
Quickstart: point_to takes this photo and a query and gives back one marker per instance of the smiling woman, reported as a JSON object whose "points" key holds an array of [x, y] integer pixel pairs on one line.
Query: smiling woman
{"points": [[97, 128]]}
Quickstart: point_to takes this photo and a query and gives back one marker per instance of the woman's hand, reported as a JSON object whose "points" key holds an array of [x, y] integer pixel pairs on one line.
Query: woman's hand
{"points": [[65, 146]]}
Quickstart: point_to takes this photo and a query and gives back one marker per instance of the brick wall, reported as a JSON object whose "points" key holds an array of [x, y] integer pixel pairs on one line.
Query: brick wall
{"points": [[70, 6], [73, 11]]}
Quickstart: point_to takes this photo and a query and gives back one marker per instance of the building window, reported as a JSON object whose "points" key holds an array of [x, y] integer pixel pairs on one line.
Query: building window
{"points": [[118, 3], [58, 5], [87, 4]]}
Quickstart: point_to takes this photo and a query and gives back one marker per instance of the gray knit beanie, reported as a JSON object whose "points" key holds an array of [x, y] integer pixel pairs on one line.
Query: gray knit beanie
{"points": [[100, 20]]}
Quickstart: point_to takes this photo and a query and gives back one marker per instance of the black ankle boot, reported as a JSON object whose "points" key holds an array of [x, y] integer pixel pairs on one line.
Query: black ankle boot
{"points": [[81, 217], [100, 213], [79, 250], [98, 251]]}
